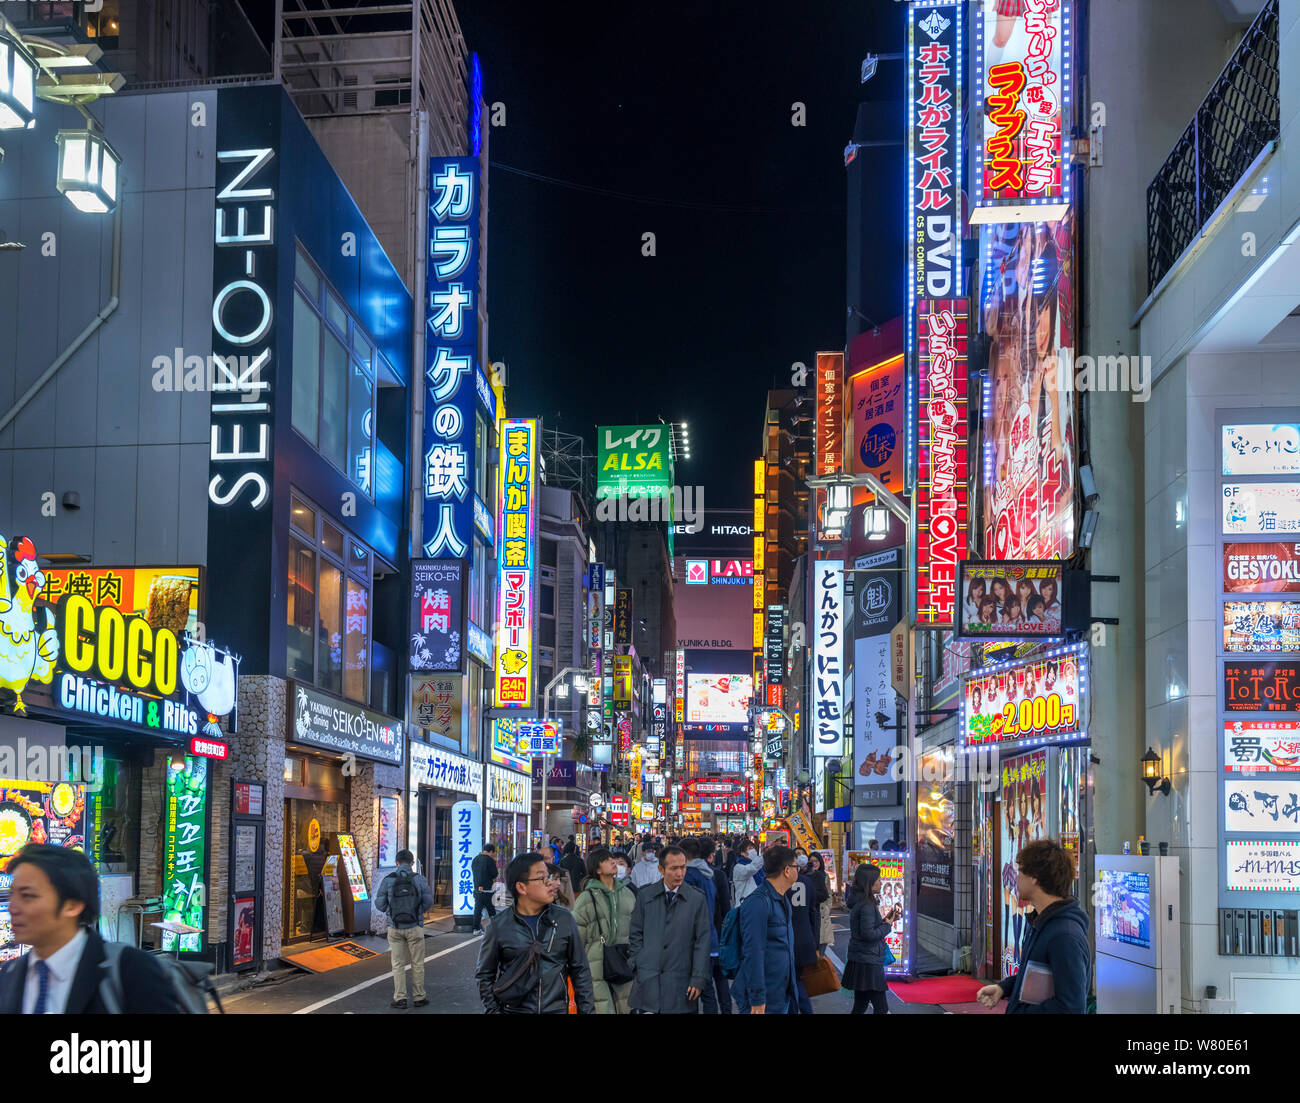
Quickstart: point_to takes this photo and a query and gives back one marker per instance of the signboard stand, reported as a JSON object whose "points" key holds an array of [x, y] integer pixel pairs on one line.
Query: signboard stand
{"points": [[247, 846]]}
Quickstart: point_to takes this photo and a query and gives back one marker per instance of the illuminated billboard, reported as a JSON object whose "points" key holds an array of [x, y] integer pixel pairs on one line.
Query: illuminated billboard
{"points": [[1268, 449], [634, 461], [1029, 486], [879, 399], [1027, 701], [718, 698], [1261, 626], [1261, 746], [828, 631], [941, 479], [1006, 601], [516, 541], [1022, 105], [1261, 568], [1261, 509]]}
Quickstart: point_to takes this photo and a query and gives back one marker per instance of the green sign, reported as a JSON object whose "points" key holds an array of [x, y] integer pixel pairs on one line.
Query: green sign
{"points": [[185, 851], [635, 461]]}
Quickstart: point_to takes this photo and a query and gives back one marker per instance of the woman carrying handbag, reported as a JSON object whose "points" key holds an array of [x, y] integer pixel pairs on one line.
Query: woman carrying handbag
{"points": [[869, 923], [603, 912]]}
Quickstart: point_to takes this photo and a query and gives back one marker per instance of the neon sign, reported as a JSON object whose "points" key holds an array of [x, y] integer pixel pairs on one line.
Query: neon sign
{"points": [[242, 317], [515, 541]]}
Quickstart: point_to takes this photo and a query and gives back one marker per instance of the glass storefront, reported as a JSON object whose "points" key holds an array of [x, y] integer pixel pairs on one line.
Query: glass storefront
{"points": [[315, 807]]}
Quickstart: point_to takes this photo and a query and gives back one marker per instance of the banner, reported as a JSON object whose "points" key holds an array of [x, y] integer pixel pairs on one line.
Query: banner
{"points": [[1272, 568], [1041, 699], [1022, 818], [1261, 449], [1257, 865], [1022, 111], [1261, 687], [466, 842], [438, 614], [516, 539], [1010, 601], [804, 835], [635, 461], [184, 848], [435, 704], [1261, 746], [828, 659], [879, 401], [623, 617], [1263, 509], [1255, 804], [1029, 485], [941, 473], [452, 322], [878, 606], [1272, 626]]}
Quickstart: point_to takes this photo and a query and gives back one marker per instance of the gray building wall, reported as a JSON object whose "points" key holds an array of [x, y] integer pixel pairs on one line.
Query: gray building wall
{"points": [[137, 457]]}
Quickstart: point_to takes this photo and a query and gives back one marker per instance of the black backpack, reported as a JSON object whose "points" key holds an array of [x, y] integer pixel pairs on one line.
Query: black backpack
{"points": [[403, 900]]}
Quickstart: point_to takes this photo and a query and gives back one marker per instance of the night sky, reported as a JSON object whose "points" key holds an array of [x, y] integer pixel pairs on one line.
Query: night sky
{"points": [[684, 111], [691, 104]]}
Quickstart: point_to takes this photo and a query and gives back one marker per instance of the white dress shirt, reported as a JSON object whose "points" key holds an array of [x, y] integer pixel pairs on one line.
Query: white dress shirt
{"points": [[63, 967]]}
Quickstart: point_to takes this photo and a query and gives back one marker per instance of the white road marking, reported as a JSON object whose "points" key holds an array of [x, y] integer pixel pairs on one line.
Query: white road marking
{"points": [[382, 976], [839, 965]]}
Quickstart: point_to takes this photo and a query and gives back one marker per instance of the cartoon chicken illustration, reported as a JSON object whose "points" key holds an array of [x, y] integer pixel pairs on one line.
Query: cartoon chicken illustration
{"points": [[24, 653], [211, 680]]}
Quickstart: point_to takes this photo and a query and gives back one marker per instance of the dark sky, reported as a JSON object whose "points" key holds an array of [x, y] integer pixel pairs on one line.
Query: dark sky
{"points": [[689, 103]]}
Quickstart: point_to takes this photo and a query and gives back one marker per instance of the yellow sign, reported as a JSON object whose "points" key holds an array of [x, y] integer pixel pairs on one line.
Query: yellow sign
{"points": [[118, 648], [167, 597], [803, 832], [622, 681], [758, 630], [313, 835]]}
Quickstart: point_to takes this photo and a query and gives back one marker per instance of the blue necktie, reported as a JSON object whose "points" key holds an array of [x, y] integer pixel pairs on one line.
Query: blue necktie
{"points": [[43, 973]]}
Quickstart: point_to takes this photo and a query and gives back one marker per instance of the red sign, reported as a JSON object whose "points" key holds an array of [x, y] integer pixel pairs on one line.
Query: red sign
{"points": [[618, 811], [731, 568], [209, 748], [776, 696], [1271, 568], [732, 806], [1026, 97], [248, 799], [830, 412], [702, 788], [941, 510], [1261, 687]]}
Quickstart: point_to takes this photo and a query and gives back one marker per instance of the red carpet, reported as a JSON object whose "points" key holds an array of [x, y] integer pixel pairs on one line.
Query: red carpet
{"points": [[956, 989]]}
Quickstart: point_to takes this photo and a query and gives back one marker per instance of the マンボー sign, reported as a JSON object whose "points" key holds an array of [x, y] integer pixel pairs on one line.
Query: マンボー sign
{"points": [[515, 548]]}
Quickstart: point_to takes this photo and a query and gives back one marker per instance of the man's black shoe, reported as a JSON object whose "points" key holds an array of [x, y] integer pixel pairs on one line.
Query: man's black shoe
{"points": [[421, 1003], [398, 1003]]}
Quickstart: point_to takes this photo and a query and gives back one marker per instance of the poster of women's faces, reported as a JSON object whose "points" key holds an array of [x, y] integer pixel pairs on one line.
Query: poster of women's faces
{"points": [[1022, 818]]}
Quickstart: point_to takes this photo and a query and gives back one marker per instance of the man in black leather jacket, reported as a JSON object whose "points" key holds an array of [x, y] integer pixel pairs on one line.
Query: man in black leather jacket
{"points": [[507, 984]]}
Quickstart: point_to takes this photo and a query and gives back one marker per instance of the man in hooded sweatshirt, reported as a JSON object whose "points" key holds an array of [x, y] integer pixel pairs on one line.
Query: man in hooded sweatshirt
{"points": [[1055, 966]]}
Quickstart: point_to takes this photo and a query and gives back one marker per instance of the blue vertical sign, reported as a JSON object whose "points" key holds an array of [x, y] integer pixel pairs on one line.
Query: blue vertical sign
{"points": [[467, 841], [451, 337]]}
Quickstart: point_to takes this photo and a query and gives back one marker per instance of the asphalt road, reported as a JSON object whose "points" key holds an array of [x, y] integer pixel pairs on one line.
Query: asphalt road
{"points": [[366, 987]]}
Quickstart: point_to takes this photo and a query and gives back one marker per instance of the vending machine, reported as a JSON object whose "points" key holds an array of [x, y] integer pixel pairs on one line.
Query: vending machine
{"points": [[1139, 937]]}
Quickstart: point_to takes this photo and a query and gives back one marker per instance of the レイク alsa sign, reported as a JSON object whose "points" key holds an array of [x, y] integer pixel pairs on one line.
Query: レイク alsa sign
{"points": [[242, 317]]}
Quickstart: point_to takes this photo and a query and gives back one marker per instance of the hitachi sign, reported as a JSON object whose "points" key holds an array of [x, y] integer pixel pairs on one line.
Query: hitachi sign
{"points": [[716, 530]]}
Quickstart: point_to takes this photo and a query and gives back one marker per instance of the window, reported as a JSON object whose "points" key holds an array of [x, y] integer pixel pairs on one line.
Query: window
{"points": [[333, 392], [330, 599]]}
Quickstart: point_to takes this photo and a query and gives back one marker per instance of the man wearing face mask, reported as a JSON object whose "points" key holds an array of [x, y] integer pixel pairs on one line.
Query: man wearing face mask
{"points": [[742, 878]]}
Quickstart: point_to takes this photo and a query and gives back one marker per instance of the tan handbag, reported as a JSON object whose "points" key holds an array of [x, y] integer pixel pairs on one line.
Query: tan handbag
{"points": [[820, 978]]}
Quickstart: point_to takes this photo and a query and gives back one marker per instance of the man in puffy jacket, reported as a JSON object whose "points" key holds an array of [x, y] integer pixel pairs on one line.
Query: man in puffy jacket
{"points": [[766, 983], [722, 905], [747, 865], [1055, 967], [533, 928]]}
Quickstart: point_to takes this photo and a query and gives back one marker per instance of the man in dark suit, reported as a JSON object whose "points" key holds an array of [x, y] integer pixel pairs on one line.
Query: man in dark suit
{"points": [[53, 905], [669, 942]]}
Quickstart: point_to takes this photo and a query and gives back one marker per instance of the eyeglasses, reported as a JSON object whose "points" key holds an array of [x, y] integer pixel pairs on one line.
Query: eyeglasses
{"points": [[548, 877]]}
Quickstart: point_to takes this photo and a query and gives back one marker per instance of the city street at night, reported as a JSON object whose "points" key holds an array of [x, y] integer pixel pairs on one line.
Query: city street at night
{"points": [[718, 508]]}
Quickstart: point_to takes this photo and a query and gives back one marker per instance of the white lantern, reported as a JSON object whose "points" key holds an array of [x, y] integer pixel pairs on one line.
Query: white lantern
{"points": [[88, 170], [17, 85]]}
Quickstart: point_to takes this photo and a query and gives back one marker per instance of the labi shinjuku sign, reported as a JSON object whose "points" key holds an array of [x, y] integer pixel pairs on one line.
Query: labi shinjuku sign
{"points": [[98, 661]]}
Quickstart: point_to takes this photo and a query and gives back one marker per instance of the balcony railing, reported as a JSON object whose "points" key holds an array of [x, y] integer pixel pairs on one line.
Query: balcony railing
{"points": [[1236, 121]]}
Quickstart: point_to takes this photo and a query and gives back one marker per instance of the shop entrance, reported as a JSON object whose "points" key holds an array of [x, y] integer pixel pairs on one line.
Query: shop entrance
{"points": [[435, 844], [307, 826]]}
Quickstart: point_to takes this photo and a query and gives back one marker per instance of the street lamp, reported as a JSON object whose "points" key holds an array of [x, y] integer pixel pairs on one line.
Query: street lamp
{"points": [[839, 487], [88, 170], [17, 85]]}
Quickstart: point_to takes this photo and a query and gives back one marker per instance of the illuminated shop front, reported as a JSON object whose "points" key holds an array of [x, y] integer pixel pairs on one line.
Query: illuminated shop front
{"points": [[436, 780]]}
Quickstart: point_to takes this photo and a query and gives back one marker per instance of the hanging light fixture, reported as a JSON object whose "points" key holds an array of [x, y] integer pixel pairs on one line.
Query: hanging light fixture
{"points": [[17, 85], [88, 170]]}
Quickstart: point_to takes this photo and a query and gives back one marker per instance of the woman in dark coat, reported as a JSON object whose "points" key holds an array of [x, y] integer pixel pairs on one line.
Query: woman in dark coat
{"points": [[864, 972]]}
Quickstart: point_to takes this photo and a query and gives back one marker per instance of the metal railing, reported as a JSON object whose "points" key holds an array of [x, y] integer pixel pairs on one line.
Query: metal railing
{"points": [[1238, 118]]}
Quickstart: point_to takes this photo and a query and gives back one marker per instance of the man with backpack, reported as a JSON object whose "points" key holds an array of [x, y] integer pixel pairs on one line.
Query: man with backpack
{"points": [[71, 970], [404, 896]]}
